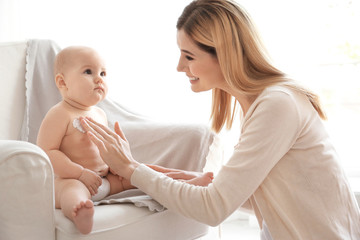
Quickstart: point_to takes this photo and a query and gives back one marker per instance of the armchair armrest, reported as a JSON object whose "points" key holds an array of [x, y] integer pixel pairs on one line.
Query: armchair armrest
{"points": [[26, 192]]}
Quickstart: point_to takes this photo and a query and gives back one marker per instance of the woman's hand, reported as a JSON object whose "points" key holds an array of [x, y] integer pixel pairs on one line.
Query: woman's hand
{"points": [[195, 178], [175, 173], [113, 146]]}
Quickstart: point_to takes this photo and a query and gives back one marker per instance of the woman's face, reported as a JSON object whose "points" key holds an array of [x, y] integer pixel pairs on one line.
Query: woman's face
{"points": [[202, 68]]}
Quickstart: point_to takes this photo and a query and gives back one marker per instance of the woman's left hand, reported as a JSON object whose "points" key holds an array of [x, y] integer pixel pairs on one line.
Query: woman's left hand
{"points": [[176, 173], [113, 146]]}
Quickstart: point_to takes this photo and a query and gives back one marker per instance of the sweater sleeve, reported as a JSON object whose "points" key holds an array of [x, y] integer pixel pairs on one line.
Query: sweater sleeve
{"points": [[268, 132]]}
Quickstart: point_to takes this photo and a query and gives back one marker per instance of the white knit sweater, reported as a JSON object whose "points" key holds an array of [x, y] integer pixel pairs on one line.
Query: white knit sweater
{"points": [[284, 168]]}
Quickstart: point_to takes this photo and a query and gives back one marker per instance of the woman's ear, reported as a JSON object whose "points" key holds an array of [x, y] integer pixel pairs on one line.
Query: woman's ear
{"points": [[60, 81]]}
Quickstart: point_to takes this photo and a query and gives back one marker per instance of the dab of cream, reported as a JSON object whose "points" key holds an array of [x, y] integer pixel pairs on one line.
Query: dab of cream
{"points": [[77, 125]]}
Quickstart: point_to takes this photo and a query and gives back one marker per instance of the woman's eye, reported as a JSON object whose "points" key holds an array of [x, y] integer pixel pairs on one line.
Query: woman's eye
{"points": [[103, 74], [87, 71], [189, 58]]}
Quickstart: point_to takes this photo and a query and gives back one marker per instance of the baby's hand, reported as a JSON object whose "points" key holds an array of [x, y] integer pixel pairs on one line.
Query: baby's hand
{"points": [[91, 180]]}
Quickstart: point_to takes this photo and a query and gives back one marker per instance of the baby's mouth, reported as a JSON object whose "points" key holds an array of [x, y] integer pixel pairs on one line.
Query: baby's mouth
{"points": [[100, 89]]}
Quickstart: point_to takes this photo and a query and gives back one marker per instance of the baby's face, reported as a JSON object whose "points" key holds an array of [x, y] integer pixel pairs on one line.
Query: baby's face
{"points": [[85, 78]]}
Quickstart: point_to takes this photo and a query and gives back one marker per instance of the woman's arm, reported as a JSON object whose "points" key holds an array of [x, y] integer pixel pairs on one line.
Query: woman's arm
{"points": [[267, 135]]}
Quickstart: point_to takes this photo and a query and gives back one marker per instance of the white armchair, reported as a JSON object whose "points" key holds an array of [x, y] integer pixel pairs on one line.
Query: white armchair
{"points": [[26, 176]]}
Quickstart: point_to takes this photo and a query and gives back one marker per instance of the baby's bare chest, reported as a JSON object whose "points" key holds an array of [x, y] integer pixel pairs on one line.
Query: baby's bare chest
{"points": [[76, 144]]}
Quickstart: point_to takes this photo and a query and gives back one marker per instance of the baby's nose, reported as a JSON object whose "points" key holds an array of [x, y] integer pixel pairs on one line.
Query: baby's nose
{"points": [[99, 79]]}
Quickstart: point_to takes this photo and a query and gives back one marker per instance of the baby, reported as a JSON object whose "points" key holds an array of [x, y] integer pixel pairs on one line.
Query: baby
{"points": [[81, 175], [80, 76]]}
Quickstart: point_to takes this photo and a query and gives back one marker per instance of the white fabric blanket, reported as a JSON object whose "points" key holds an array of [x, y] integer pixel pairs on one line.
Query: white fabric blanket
{"points": [[171, 145]]}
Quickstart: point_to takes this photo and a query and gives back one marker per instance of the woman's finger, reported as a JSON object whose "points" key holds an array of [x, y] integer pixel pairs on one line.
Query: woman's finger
{"points": [[179, 175], [119, 132], [94, 128], [86, 125], [158, 168], [103, 130], [162, 169], [99, 143]]}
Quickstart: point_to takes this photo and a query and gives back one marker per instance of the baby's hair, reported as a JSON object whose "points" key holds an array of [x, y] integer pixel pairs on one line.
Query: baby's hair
{"points": [[62, 58]]}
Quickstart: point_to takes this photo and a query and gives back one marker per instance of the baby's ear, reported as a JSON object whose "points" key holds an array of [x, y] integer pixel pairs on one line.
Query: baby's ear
{"points": [[59, 80]]}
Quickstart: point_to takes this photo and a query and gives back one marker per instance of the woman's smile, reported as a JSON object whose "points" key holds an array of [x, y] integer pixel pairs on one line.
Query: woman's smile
{"points": [[193, 79]]}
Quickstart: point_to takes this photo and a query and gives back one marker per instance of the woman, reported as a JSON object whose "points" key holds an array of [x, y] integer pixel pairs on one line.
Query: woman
{"points": [[284, 167]]}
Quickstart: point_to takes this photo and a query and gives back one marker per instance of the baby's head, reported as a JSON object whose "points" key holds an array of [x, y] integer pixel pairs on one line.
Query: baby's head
{"points": [[80, 76]]}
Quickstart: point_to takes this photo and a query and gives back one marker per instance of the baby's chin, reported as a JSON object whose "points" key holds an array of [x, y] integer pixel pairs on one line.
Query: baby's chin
{"points": [[100, 96]]}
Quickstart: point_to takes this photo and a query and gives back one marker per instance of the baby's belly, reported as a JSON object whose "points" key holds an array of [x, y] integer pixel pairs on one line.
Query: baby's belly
{"points": [[94, 163], [87, 155]]}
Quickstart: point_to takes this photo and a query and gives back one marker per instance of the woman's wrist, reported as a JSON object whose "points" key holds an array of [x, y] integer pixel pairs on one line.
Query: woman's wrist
{"points": [[126, 170], [130, 169]]}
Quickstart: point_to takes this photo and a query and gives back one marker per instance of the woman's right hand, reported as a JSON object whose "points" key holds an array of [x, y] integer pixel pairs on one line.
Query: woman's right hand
{"points": [[113, 147]]}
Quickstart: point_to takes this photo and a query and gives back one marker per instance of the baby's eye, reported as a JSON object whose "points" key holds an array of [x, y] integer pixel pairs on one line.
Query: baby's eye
{"points": [[103, 74], [189, 58], [87, 71]]}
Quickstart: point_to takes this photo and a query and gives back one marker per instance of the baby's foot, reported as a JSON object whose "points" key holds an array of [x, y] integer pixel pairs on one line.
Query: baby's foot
{"points": [[83, 216], [203, 180]]}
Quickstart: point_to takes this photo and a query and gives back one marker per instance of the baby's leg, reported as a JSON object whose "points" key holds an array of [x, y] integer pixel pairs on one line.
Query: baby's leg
{"points": [[74, 200], [202, 180], [117, 185]]}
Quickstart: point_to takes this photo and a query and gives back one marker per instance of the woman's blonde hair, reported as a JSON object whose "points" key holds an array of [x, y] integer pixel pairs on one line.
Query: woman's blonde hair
{"points": [[225, 30]]}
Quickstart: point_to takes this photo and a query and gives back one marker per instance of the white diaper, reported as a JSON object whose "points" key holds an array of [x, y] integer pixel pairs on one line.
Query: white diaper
{"points": [[103, 190]]}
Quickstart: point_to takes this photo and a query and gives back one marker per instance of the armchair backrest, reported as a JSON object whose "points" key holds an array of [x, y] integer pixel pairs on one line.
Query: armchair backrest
{"points": [[12, 90]]}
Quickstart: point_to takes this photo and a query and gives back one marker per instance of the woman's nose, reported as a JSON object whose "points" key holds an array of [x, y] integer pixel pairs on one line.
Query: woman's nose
{"points": [[180, 67]]}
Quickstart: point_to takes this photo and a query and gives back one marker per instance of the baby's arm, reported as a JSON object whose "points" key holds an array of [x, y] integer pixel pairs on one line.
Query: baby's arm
{"points": [[52, 130], [51, 133]]}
